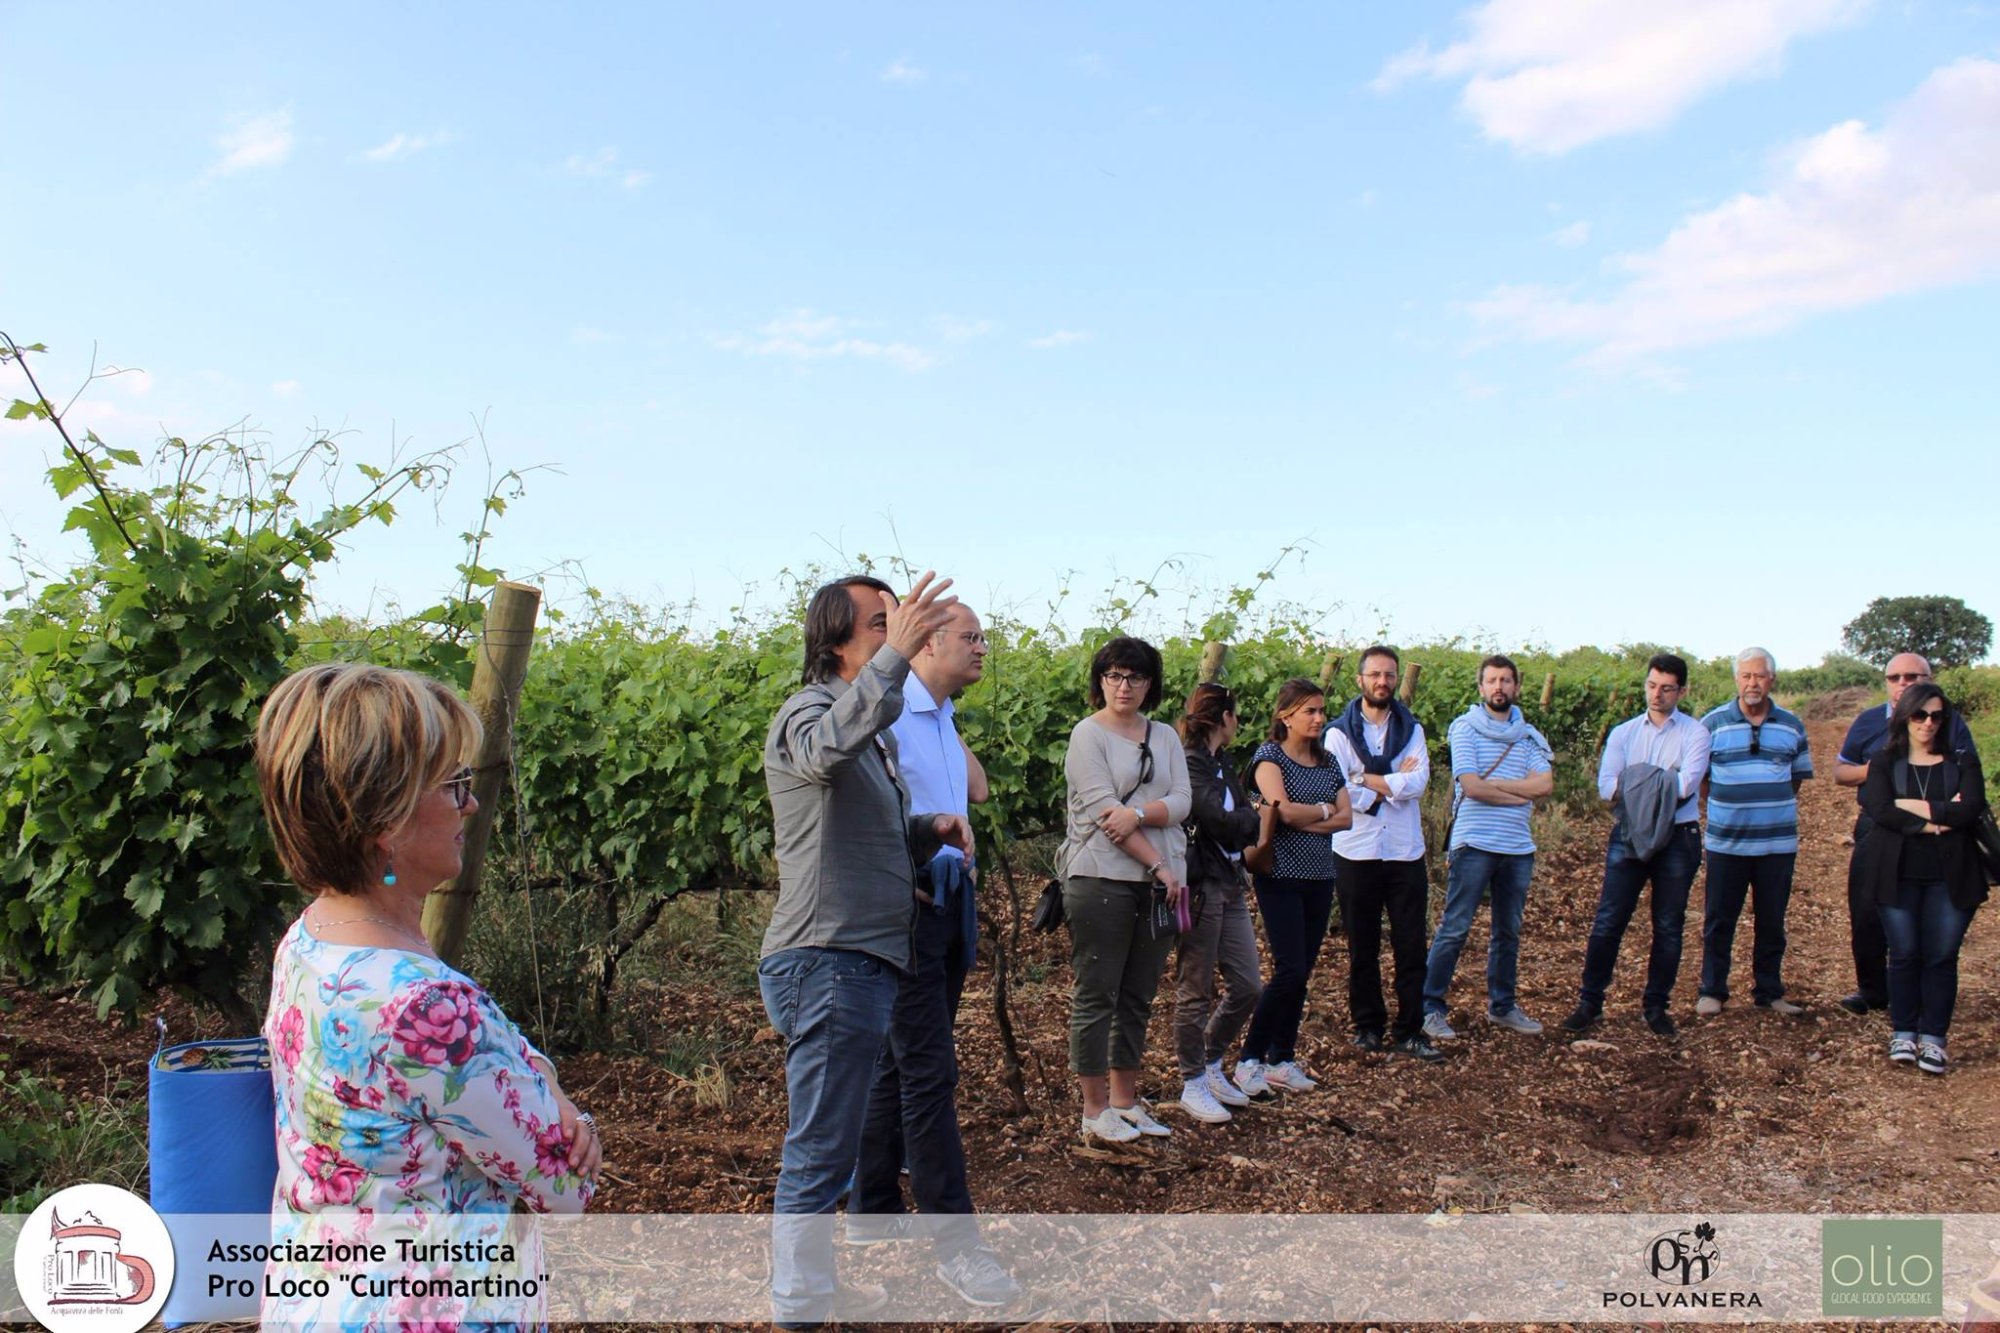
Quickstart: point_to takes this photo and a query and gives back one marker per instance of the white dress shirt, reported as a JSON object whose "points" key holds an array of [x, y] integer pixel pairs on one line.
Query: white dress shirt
{"points": [[1395, 831], [1682, 743]]}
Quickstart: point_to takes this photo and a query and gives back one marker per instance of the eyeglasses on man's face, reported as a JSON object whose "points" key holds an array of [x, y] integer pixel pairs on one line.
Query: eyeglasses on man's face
{"points": [[1905, 677], [971, 638], [459, 785]]}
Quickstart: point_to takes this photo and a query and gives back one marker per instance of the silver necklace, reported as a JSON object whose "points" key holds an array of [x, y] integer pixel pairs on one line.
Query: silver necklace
{"points": [[399, 928], [1920, 776]]}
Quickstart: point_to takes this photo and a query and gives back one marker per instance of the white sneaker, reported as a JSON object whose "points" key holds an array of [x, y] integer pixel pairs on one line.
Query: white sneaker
{"points": [[1289, 1077], [1109, 1127], [1514, 1021], [1250, 1078], [1437, 1027], [1135, 1116], [1220, 1088], [1200, 1103]]}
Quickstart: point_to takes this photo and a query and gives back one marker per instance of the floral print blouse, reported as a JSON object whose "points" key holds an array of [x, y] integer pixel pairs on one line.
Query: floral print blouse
{"points": [[402, 1089]]}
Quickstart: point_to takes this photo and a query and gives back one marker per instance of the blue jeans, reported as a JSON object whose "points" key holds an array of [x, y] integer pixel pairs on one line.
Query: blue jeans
{"points": [[832, 1007], [1767, 881], [1924, 931], [1671, 870], [1472, 872]]}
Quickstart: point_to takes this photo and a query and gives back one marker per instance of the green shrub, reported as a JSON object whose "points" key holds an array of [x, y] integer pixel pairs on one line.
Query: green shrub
{"points": [[49, 1140]]}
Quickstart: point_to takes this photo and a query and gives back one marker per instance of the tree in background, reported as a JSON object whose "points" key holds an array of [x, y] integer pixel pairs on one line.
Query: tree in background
{"points": [[1943, 629]]}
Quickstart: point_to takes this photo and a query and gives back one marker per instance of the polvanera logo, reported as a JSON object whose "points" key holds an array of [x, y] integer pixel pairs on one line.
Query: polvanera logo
{"points": [[94, 1259], [1680, 1262], [1882, 1267], [1684, 1258]]}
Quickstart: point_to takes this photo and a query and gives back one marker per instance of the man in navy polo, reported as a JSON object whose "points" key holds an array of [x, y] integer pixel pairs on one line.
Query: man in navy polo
{"points": [[1864, 741], [1757, 758], [913, 1107]]}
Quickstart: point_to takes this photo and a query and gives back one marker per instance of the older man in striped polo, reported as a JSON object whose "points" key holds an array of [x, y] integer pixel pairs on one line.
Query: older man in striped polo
{"points": [[1758, 756]]}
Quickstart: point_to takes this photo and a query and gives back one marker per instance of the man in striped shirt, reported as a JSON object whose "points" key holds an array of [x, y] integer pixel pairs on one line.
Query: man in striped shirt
{"points": [[1757, 758], [1502, 768]]}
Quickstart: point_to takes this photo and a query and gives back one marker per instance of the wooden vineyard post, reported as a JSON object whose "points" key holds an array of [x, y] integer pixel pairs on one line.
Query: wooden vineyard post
{"points": [[498, 668], [1408, 693], [1548, 691], [1212, 654], [1327, 667]]}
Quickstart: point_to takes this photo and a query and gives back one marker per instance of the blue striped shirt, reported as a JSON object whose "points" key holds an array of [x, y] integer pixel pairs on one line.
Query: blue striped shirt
{"points": [[1502, 829], [1752, 807]]}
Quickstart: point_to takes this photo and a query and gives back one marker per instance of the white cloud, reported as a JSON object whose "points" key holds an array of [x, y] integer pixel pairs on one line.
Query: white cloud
{"points": [[902, 71], [1550, 75], [1368, 198], [806, 335], [403, 145], [1855, 215], [285, 388], [603, 164], [1060, 338], [961, 329], [1576, 233], [254, 141]]}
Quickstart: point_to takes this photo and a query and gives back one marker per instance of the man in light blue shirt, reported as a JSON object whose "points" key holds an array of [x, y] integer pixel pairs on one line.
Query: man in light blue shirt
{"points": [[1661, 738], [1502, 768], [913, 1107]]}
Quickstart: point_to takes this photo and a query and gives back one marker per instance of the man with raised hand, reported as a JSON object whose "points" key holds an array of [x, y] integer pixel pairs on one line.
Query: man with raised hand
{"points": [[1758, 756], [913, 1110], [1502, 768], [1380, 746], [1651, 774], [838, 944], [1865, 738]]}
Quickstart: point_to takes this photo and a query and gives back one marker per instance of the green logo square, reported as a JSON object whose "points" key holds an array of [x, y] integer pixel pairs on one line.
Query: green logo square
{"points": [[1882, 1268]]}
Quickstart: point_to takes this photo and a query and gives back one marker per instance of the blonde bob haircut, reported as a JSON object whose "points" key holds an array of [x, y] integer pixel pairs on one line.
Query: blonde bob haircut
{"points": [[345, 753]]}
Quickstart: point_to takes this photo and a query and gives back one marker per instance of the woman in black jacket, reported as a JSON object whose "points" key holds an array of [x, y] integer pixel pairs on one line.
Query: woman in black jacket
{"points": [[1922, 869], [1220, 825]]}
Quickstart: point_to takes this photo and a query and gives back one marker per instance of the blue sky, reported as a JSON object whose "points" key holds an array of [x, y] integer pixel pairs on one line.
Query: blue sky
{"points": [[1538, 322]]}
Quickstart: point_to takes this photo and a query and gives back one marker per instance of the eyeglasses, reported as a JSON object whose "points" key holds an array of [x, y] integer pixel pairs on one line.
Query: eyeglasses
{"points": [[1756, 738], [459, 785], [1905, 677], [970, 638], [1119, 680], [1928, 715]]}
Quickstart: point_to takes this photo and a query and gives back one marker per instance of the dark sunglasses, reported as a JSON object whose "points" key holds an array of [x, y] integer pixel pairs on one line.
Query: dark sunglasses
{"points": [[1928, 715], [1756, 738], [460, 786], [1145, 762], [1905, 677]]}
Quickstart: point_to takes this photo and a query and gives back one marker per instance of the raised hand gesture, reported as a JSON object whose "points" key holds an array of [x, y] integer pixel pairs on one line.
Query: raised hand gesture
{"points": [[921, 614]]}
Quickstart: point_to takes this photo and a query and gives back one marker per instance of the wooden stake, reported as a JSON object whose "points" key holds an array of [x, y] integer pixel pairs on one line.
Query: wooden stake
{"points": [[1549, 691], [1327, 667], [1411, 675], [498, 668], [1212, 654]]}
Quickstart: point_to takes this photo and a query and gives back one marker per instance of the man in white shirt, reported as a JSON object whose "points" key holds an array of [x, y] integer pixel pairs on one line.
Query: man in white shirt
{"points": [[1380, 859], [913, 1107], [1662, 738]]}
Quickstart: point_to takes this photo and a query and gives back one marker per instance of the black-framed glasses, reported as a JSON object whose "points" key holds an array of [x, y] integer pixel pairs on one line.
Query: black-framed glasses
{"points": [[459, 784], [1756, 738], [1904, 677], [1927, 715], [1132, 680]]}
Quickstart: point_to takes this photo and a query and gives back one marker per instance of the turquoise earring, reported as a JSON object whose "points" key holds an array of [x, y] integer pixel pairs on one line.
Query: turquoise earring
{"points": [[389, 872]]}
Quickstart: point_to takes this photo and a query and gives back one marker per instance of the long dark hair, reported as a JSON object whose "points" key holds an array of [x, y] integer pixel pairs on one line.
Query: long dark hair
{"points": [[1202, 717], [830, 624], [1915, 697], [1290, 695]]}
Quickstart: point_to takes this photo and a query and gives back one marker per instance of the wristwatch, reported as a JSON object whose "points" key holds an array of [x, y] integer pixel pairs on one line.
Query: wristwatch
{"points": [[1138, 813]]}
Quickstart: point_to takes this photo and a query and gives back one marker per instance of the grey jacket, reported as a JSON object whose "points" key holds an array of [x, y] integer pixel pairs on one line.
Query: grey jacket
{"points": [[847, 843], [1648, 796]]}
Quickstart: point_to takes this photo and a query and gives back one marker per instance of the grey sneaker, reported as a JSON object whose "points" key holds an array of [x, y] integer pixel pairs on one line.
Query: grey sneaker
{"points": [[879, 1228], [1437, 1027], [1514, 1021], [1784, 1007], [978, 1278]]}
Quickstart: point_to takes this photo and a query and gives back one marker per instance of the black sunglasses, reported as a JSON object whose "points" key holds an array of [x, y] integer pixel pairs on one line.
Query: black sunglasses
{"points": [[1756, 738], [1927, 715], [1145, 762]]}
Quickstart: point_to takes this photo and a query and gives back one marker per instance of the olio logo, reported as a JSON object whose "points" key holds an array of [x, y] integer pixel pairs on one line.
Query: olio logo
{"points": [[1882, 1267], [94, 1259]]}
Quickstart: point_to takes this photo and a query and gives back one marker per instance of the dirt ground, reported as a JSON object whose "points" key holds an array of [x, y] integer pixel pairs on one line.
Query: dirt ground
{"points": [[1745, 1112]]}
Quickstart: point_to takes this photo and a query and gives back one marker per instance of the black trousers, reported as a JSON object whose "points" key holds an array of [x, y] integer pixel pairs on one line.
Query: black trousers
{"points": [[1369, 890], [1864, 929], [913, 1107]]}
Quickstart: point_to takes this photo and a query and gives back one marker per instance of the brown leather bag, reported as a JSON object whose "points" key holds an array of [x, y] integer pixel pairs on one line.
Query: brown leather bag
{"points": [[1260, 856]]}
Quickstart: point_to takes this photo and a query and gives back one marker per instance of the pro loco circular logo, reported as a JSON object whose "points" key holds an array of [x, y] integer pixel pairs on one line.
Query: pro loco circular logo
{"points": [[94, 1259]]}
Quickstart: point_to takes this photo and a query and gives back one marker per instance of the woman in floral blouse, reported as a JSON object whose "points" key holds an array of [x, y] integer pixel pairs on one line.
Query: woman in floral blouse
{"points": [[401, 1087]]}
